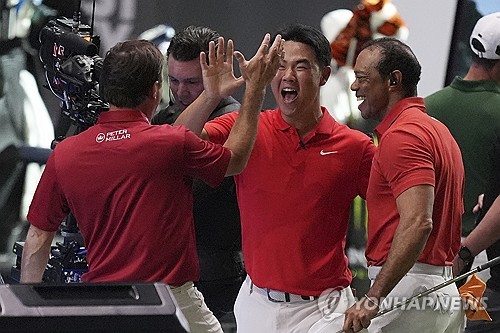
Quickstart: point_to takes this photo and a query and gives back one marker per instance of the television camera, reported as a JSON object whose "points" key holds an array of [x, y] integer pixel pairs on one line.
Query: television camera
{"points": [[69, 53]]}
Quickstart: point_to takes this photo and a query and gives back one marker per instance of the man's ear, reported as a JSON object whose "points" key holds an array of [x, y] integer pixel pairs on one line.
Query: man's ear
{"points": [[325, 75], [155, 92], [395, 77]]}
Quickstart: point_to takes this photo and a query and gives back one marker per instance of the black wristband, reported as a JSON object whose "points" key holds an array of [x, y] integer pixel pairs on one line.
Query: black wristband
{"points": [[465, 254]]}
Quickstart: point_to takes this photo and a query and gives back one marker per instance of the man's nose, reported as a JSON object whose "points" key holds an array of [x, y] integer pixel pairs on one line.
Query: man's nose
{"points": [[288, 74], [354, 85], [182, 89]]}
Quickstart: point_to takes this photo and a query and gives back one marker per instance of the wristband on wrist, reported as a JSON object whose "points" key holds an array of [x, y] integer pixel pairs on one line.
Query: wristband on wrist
{"points": [[465, 254]]}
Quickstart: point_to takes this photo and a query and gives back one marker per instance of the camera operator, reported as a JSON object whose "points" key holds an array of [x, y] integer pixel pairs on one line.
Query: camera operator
{"points": [[110, 175]]}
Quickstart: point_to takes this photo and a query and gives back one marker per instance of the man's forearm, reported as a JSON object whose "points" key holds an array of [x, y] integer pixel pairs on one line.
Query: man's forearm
{"points": [[407, 245], [197, 113], [487, 232], [244, 131], [35, 254]]}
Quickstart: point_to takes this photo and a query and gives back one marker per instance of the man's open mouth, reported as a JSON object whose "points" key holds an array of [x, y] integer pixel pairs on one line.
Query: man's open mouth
{"points": [[289, 94]]}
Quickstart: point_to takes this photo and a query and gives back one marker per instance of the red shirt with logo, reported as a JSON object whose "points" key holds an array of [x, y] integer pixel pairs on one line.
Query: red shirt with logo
{"points": [[128, 184], [294, 198], [415, 149]]}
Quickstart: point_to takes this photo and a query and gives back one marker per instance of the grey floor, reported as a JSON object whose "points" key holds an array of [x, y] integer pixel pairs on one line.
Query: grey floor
{"points": [[8, 260]]}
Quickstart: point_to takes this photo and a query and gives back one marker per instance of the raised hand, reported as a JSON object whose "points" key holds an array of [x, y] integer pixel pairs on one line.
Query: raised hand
{"points": [[218, 74], [261, 69]]}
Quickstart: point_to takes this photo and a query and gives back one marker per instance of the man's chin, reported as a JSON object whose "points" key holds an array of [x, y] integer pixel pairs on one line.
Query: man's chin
{"points": [[365, 114]]}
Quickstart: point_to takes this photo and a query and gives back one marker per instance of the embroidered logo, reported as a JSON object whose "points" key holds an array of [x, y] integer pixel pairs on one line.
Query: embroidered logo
{"points": [[100, 137], [323, 153], [113, 136]]}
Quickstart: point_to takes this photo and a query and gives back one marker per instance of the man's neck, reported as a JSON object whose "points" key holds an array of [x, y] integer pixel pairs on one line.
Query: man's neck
{"points": [[145, 107], [478, 73], [306, 123]]}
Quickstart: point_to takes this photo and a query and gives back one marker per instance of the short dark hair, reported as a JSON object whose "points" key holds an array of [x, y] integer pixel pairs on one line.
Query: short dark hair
{"points": [[487, 64], [310, 36], [396, 55], [129, 71], [190, 42]]}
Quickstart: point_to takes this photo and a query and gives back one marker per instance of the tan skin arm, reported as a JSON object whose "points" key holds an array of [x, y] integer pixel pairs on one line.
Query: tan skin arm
{"points": [[36, 252], [257, 73], [415, 207], [483, 236]]}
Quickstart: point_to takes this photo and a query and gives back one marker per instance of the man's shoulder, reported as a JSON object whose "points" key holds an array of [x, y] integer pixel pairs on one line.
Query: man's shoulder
{"points": [[439, 99], [416, 126], [167, 115], [227, 105]]}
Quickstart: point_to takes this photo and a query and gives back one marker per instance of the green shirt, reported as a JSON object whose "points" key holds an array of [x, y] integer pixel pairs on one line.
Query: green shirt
{"points": [[471, 110]]}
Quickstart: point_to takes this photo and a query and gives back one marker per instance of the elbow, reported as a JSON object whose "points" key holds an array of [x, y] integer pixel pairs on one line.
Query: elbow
{"points": [[425, 226], [239, 169], [236, 166]]}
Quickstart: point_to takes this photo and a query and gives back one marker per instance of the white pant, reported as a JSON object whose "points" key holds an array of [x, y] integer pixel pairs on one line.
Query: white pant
{"points": [[193, 307], [439, 312], [256, 313]]}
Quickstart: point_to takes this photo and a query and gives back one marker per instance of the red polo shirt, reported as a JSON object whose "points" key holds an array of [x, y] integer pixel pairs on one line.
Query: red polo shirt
{"points": [[415, 149], [128, 184], [295, 198]]}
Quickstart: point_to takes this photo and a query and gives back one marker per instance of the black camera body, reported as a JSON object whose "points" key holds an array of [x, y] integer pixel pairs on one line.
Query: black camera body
{"points": [[69, 53]]}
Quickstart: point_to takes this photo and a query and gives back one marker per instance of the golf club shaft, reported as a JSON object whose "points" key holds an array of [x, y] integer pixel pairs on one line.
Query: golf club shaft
{"points": [[491, 263]]}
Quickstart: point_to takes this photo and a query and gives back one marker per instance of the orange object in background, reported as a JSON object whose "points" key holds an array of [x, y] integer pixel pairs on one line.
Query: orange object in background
{"points": [[471, 293]]}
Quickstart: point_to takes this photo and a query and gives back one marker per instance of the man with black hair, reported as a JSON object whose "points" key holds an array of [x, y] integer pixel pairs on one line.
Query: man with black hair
{"points": [[414, 199], [295, 194], [216, 214], [185, 75]]}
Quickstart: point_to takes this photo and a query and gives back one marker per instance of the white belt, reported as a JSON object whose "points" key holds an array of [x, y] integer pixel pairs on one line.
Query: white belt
{"points": [[418, 268]]}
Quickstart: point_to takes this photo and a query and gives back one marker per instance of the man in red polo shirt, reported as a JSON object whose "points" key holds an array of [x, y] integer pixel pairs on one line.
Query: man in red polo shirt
{"points": [[414, 199], [111, 176], [295, 194]]}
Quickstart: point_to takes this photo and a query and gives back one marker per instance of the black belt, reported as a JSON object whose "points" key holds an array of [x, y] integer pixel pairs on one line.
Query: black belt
{"points": [[277, 296]]}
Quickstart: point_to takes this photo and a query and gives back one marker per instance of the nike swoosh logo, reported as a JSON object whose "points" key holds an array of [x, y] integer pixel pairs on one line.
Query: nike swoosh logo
{"points": [[323, 153]]}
